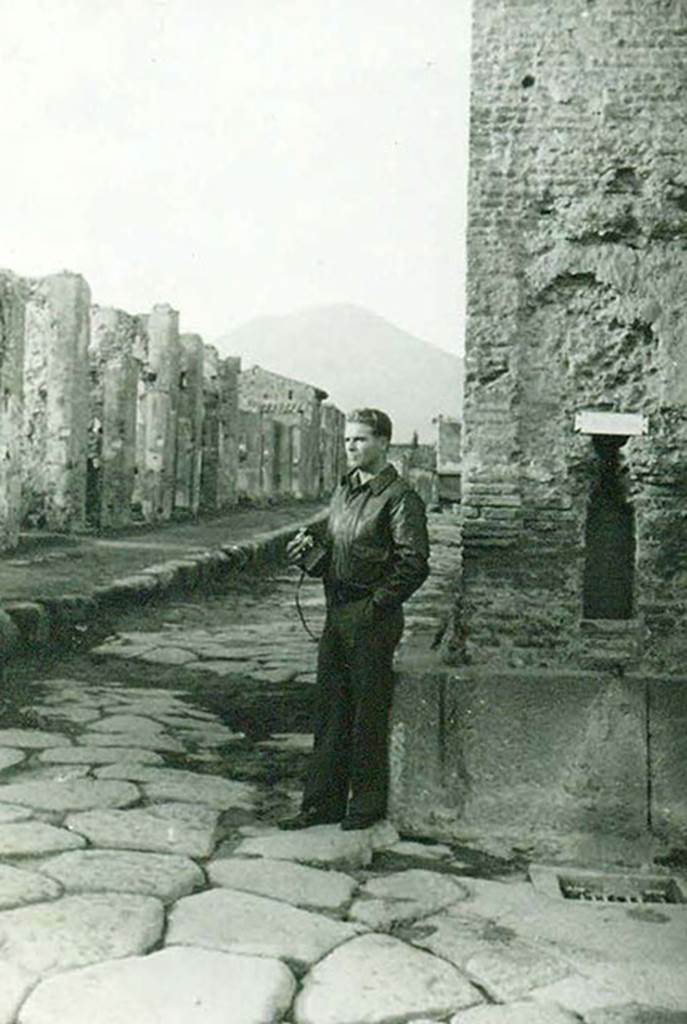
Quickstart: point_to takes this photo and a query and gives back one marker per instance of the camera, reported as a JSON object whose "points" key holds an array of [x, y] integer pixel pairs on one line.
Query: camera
{"points": [[306, 553]]}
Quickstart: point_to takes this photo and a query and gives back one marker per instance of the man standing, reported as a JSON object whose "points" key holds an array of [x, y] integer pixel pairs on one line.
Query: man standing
{"points": [[374, 553]]}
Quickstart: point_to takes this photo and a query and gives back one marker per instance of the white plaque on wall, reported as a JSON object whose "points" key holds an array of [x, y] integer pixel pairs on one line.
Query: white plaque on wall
{"points": [[627, 424]]}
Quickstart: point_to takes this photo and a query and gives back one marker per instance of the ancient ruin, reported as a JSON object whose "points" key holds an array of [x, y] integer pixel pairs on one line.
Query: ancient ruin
{"points": [[564, 714], [109, 418]]}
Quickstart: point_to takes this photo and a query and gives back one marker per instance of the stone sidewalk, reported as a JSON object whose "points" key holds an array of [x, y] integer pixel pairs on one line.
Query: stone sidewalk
{"points": [[53, 586]]}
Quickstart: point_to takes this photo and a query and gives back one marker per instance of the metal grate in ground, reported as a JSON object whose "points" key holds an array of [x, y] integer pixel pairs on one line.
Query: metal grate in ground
{"points": [[604, 888]]}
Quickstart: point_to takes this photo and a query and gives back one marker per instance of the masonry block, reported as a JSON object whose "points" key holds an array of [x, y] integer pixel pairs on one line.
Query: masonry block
{"points": [[530, 755], [667, 699]]}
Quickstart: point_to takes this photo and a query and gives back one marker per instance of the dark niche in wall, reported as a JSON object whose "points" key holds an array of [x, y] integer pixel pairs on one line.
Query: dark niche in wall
{"points": [[609, 538]]}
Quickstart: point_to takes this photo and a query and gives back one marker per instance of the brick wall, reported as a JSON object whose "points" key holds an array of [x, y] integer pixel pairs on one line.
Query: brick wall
{"points": [[577, 261]]}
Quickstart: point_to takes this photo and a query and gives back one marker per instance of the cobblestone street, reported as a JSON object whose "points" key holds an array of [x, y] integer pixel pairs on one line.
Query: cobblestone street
{"points": [[143, 878]]}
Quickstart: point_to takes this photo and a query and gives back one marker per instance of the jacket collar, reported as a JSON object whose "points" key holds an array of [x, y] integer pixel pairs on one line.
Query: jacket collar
{"points": [[377, 483]]}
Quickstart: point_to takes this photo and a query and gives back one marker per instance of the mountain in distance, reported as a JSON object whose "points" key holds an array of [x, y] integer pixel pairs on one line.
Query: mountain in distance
{"points": [[359, 359]]}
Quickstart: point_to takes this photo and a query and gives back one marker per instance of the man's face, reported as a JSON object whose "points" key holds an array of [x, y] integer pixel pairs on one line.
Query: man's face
{"points": [[364, 450]]}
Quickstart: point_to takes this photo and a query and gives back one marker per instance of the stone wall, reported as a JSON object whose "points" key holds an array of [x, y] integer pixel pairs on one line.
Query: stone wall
{"points": [[115, 372], [297, 407], [12, 310], [56, 401], [108, 417], [577, 263]]}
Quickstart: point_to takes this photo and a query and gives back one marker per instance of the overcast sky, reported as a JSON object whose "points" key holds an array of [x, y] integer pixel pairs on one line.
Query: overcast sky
{"points": [[240, 157]]}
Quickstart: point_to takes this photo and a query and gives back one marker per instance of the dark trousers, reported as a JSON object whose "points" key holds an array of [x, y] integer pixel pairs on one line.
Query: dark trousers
{"points": [[353, 700]]}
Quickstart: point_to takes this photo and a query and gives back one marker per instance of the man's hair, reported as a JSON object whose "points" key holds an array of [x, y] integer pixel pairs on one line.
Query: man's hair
{"points": [[375, 418]]}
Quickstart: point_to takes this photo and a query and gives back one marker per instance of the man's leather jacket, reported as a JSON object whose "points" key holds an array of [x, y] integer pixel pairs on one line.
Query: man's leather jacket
{"points": [[376, 541]]}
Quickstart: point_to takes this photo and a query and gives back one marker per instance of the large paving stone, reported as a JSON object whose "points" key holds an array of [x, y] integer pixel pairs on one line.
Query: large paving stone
{"points": [[184, 786], [12, 812], [404, 897], [173, 986], [321, 845], [129, 740], [33, 838], [634, 1013], [15, 985], [9, 758], [99, 755], [166, 656], [137, 830], [239, 922], [166, 876], [512, 971], [72, 795], [127, 723], [77, 930], [195, 815], [376, 979], [283, 880], [516, 1013], [205, 789], [32, 739], [74, 714], [19, 888]]}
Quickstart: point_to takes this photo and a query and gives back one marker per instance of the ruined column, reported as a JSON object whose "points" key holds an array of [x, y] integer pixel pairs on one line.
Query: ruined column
{"points": [[157, 413], [219, 473], [56, 402], [12, 312], [229, 369], [189, 424], [115, 372], [250, 454]]}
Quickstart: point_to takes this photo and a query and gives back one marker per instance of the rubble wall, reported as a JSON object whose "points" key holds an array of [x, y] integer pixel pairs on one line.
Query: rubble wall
{"points": [[56, 402], [576, 270], [115, 372], [12, 312]]}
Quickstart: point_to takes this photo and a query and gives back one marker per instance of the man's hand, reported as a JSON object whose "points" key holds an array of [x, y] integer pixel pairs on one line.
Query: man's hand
{"points": [[299, 546]]}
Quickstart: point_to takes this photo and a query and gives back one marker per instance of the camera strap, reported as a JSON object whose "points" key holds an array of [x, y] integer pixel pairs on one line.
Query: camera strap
{"points": [[306, 627]]}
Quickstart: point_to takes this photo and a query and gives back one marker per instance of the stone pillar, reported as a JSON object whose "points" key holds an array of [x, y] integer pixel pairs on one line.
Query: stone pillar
{"points": [[115, 373], [12, 312], [333, 425], [250, 453], [56, 401], [229, 369], [268, 429], [189, 424], [209, 498], [157, 414], [219, 475]]}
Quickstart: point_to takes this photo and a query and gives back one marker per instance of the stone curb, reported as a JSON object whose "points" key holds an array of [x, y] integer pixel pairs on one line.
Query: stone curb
{"points": [[35, 626]]}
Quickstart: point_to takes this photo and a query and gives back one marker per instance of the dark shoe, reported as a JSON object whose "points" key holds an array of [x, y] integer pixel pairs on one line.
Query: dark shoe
{"points": [[306, 819], [359, 821]]}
